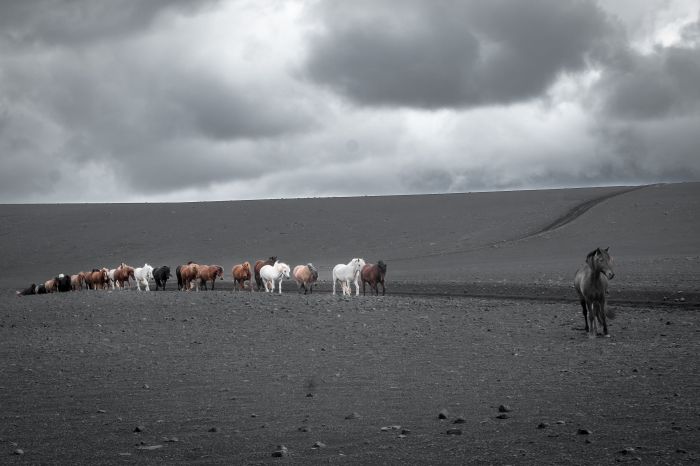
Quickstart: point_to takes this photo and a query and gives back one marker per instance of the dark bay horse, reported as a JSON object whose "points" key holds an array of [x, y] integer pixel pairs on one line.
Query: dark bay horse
{"points": [[591, 283], [259, 265], [373, 274]]}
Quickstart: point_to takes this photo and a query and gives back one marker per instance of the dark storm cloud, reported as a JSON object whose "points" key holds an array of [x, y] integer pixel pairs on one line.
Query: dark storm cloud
{"points": [[453, 53], [53, 22]]}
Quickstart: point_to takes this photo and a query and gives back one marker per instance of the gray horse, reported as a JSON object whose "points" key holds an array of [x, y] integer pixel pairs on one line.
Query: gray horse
{"points": [[591, 283]]}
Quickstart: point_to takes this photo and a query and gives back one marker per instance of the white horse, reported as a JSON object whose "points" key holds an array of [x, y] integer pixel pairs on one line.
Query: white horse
{"points": [[344, 273], [110, 275], [142, 275], [271, 273]]}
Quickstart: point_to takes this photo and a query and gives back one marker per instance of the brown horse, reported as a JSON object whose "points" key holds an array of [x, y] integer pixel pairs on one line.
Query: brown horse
{"points": [[76, 281], [259, 265], [122, 275], [373, 274], [305, 276], [241, 274], [188, 273], [51, 285], [97, 278], [209, 272], [591, 283]]}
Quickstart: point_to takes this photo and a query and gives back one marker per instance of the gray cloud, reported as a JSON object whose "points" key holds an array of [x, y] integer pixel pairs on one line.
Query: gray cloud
{"points": [[453, 53]]}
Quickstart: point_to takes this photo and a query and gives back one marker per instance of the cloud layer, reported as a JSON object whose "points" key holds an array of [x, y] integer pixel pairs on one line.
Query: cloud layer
{"points": [[115, 101]]}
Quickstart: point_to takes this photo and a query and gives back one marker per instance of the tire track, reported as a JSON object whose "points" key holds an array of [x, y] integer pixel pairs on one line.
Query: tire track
{"points": [[573, 214]]}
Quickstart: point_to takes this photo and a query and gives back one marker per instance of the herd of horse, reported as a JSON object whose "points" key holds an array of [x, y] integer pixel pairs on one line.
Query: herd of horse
{"points": [[266, 273], [590, 282]]}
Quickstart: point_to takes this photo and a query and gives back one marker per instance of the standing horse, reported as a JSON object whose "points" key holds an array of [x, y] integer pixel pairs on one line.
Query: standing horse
{"points": [[345, 273], [161, 276], [98, 277], [188, 275], [209, 272], [591, 283], [305, 276], [373, 274], [271, 273], [51, 285], [122, 275], [76, 281], [259, 265], [142, 275], [178, 274], [241, 274], [63, 283]]}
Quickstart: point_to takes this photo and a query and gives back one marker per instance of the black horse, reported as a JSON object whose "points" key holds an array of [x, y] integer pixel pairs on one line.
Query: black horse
{"points": [[162, 274]]}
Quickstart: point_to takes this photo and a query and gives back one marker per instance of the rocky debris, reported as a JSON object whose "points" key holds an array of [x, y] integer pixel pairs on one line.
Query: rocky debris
{"points": [[542, 425], [304, 429], [443, 414], [171, 439], [584, 432], [353, 416], [281, 451], [214, 429], [454, 431], [504, 409], [149, 447], [139, 428], [459, 420], [318, 445], [101, 411], [18, 452], [502, 416], [627, 451]]}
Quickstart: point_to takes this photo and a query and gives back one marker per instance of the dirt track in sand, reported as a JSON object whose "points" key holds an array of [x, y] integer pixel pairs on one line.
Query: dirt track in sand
{"points": [[473, 320], [83, 370]]}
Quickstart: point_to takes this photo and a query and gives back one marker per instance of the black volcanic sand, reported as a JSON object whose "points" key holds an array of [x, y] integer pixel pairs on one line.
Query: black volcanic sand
{"points": [[480, 313]]}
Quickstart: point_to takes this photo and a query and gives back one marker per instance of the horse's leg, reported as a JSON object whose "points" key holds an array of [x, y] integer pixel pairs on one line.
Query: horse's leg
{"points": [[280, 286], [148, 288], [592, 320], [585, 313], [603, 318], [357, 285], [383, 288], [334, 280]]}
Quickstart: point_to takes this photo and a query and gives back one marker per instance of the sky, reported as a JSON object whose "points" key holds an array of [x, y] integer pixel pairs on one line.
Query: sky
{"points": [[160, 101]]}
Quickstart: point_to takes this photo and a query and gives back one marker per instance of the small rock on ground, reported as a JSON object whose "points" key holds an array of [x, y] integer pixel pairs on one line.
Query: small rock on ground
{"points": [[454, 431], [280, 452], [584, 432], [504, 409], [443, 414]]}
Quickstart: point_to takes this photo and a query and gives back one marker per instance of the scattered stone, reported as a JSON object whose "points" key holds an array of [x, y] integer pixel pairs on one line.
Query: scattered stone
{"points": [[139, 429], [504, 409], [460, 420], [280, 452], [584, 432], [443, 414], [353, 416], [309, 395], [384, 429], [146, 386], [681, 450], [171, 439], [149, 447], [542, 425], [454, 431], [318, 445], [588, 440], [627, 451], [101, 411], [304, 429], [405, 431], [502, 416], [561, 423], [253, 415], [214, 429], [401, 436], [18, 451]]}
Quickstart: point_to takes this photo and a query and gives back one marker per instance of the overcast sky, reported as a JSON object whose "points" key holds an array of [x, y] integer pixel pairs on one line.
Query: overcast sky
{"points": [[125, 100]]}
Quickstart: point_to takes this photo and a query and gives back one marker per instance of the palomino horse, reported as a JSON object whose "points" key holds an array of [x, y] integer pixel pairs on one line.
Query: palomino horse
{"points": [[241, 274], [373, 274], [591, 283], [271, 273], [305, 276], [259, 265], [188, 275], [142, 275], [51, 285], [345, 273], [209, 272], [122, 275]]}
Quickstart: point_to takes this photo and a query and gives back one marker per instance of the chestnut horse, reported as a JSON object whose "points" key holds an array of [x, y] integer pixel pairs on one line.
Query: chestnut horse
{"points": [[188, 276], [76, 281], [51, 285], [305, 276], [259, 265], [373, 274], [98, 277], [591, 283], [241, 274], [122, 275], [178, 274], [209, 272]]}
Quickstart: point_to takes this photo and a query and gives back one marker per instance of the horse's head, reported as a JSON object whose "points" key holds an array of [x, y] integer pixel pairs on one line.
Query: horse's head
{"points": [[246, 266], [219, 272], [600, 261], [283, 269], [382, 266]]}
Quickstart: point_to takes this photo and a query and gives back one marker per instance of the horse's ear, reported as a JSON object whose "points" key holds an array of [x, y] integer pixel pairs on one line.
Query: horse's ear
{"points": [[606, 249]]}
